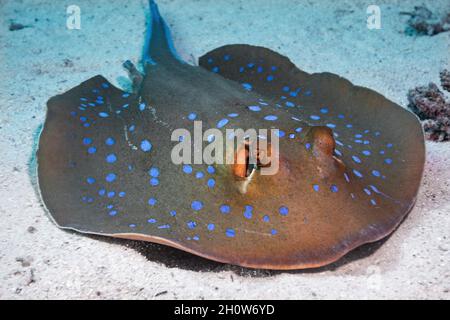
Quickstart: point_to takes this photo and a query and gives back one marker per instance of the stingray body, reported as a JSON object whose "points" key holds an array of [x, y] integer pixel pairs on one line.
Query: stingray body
{"points": [[350, 163]]}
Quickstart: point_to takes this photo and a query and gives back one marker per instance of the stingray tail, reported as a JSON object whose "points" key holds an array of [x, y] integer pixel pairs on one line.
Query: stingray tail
{"points": [[158, 45]]}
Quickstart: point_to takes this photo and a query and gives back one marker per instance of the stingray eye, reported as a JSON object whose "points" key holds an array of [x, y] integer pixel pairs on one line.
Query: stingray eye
{"points": [[243, 166], [323, 140], [248, 160]]}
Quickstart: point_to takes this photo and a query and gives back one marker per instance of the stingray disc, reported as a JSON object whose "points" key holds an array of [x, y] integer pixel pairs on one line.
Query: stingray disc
{"points": [[350, 160]]}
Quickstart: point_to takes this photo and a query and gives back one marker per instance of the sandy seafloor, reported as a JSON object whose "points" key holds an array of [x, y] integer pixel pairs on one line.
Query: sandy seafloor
{"points": [[38, 260]]}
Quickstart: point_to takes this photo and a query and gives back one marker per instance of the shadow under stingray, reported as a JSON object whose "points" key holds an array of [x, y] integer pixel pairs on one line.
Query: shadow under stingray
{"points": [[175, 258]]}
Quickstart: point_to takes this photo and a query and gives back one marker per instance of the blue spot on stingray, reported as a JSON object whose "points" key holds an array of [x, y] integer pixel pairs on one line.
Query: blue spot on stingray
{"points": [[248, 212], [146, 146], [334, 188], [111, 194], [211, 169], [366, 152], [187, 169], [199, 175], [247, 86], [389, 145], [122, 194], [111, 158], [151, 221], [230, 233], [110, 206], [192, 116], [270, 118], [222, 123], [110, 177], [346, 177], [373, 202], [266, 218], [226, 57], [291, 136], [289, 104], [298, 130], [196, 205], [233, 115], [110, 141], [358, 135], [314, 117], [173, 213], [241, 69], [215, 69], [90, 180], [273, 232], [211, 183], [164, 226], [153, 172], [324, 110], [191, 224], [259, 69], [388, 160], [376, 173], [92, 150], [280, 133], [349, 126], [152, 201], [131, 128], [154, 182], [331, 125], [269, 77], [225, 208], [356, 159], [250, 65], [308, 146], [101, 192], [283, 210], [254, 108], [286, 89], [103, 114], [357, 173], [316, 187], [367, 191], [87, 141], [112, 213], [105, 85], [339, 153], [211, 226], [142, 106], [125, 106], [210, 60]]}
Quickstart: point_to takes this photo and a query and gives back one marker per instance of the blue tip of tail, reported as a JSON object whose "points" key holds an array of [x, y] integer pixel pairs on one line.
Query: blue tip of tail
{"points": [[158, 38]]}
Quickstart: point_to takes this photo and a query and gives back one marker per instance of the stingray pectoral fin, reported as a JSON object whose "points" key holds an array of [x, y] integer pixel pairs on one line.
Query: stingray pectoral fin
{"points": [[93, 136]]}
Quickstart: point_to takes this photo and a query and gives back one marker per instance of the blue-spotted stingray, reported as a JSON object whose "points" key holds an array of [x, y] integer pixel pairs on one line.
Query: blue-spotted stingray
{"points": [[350, 162]]}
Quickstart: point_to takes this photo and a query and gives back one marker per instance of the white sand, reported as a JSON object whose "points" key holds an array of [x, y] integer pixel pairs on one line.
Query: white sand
{"points": [[330, 36]]}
